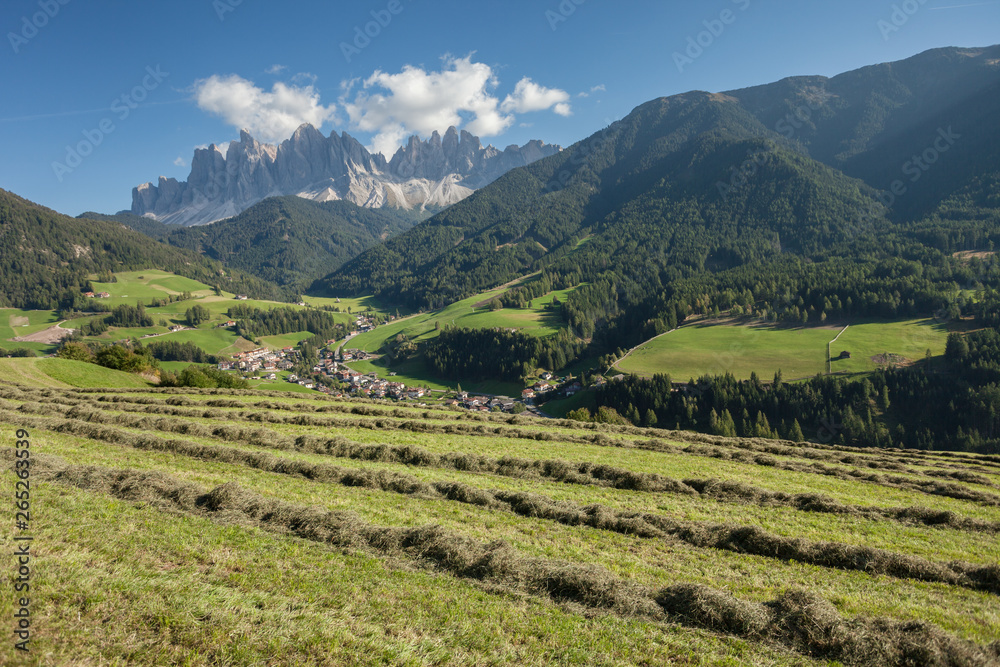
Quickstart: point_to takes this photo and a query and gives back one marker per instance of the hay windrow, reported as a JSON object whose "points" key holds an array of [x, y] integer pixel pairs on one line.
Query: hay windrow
{"points": [[559, 471], [796, 619], [752, 451], [320, 403], [740, 539]]}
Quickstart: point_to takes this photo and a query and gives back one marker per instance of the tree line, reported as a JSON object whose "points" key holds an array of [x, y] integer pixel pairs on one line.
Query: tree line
{"points": [[251, 323], [482, 354], [955, 407]]}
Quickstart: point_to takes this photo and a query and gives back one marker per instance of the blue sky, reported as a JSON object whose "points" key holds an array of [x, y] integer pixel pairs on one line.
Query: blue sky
{"points": [[138, 85]]}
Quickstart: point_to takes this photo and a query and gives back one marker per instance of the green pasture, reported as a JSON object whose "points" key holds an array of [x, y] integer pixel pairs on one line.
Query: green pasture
{"points": [[799, 352], [39, 372]]}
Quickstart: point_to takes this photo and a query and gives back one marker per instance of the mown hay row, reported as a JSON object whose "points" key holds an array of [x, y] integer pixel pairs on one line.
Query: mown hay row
{"points": [[850, 455], [797, 619], [554, 470], [741, 539], [831, 453], [930, 487], [855, 458], [992, 459], [933, 487]]}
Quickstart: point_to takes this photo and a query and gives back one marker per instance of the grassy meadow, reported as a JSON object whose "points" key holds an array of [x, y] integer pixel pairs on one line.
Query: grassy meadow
{"points": [[132, 287], [16, 323], [472, 313], [799, 352], [206, 527], [64, 373]]}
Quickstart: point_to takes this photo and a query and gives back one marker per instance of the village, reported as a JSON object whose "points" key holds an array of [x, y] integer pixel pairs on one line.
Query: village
{"points": [[331, 375]]}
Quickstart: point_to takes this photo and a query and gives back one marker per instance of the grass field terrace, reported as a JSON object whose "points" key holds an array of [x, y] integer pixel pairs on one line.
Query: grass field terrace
{"points": [[207, 527]]}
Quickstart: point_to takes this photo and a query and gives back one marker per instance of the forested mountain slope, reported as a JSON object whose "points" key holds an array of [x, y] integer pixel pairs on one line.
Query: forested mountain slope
{"points": [[776, 199], [47, 257], [290, 240]]}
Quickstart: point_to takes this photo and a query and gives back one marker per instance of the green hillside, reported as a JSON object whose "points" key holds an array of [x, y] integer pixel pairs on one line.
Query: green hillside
{"points": [[699, 202], [48, 258], [64, 373], [338, 532], [148, 226], [290, 240]]}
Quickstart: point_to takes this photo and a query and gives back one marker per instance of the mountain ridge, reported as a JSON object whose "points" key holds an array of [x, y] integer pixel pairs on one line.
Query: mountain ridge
{"points": [[289, 240], [645, 195], [423, 174]]}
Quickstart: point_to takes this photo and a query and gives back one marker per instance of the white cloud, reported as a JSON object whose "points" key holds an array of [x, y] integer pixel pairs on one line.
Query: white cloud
{"points": [[529, 96], [179, 162], [392, 106], [388, 106], [304, 78], [596, 89], [416, 101], [269, 116], [275, 69]]}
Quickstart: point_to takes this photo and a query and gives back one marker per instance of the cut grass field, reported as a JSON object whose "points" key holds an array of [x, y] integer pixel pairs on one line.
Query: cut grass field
{"points": [[799, 352], [341, 532], [290, 387]]}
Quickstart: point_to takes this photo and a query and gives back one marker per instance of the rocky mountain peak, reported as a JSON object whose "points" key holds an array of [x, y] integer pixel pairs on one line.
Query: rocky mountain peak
{"points": [[225, 181]]}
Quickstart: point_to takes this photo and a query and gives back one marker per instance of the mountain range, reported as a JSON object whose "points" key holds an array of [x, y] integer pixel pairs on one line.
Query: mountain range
{"points": [[422, 175], [800, 197], [804, 170], [289, 241]]}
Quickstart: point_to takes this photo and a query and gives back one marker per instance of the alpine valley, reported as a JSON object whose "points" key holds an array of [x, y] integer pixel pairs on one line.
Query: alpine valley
{"points": [[717, 384], [805, 205]]}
